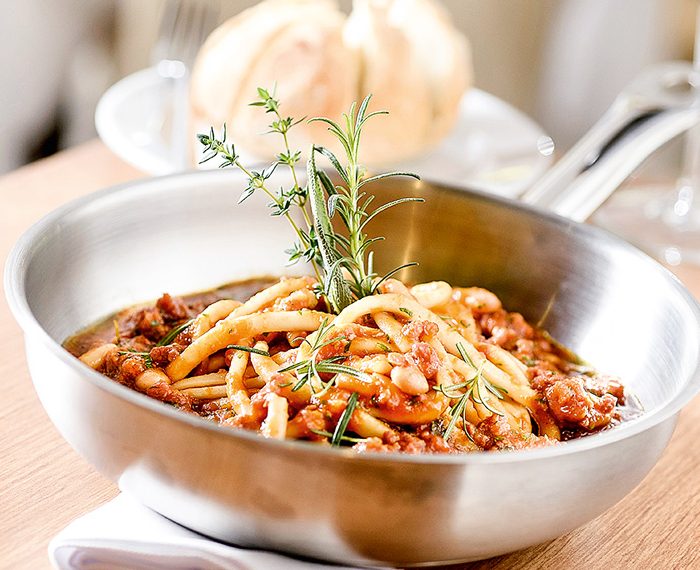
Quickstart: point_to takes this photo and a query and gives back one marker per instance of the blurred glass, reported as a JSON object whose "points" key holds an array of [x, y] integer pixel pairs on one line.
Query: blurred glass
{"points": [[663, 218]]}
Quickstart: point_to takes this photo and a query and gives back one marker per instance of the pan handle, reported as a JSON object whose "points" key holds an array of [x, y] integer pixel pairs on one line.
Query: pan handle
{"points": [[658, 105]]}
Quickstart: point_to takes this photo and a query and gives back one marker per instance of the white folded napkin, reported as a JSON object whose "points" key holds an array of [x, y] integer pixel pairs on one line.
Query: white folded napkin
{"points": [[124, 534]]}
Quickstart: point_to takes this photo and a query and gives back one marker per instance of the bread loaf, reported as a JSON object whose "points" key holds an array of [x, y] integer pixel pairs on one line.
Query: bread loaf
{"points": [[406, 53]]}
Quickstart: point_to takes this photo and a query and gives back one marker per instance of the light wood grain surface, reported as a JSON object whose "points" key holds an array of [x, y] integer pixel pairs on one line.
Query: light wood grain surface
{"points": [[44, 484]]}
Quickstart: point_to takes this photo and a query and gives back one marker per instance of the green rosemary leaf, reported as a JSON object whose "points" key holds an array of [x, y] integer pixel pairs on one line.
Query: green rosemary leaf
{"points": [[328, 186], [334, 161], [472, 391], [372, 114], [148, 361], [387, 206], [483, 400], [293, 366], [332, 202], [465, 356], [248, 349], [456, 413], [369, 198], [337, 290], [173, 333], [309, 369], [133, 352], [363, 109], [478, 381], [495, 390], [303, 380], [387, 175], [406, 311], [344, 420], [391, 273], [444, 389], [369, 243], [346, 438], [334, 128], [342, 241], [331, 368]]}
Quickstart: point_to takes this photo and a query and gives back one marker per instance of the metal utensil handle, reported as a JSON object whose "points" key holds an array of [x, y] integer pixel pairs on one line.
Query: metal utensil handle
{"points": [[657, 106]]}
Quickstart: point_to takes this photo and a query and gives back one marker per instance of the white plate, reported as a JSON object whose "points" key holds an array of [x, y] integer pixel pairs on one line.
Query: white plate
{"points": [[493, 147]]}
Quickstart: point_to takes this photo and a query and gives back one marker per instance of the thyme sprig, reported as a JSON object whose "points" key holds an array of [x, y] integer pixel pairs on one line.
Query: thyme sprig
{"points": [[281, 202], [282, 125], [342, 260], [472, 391]]}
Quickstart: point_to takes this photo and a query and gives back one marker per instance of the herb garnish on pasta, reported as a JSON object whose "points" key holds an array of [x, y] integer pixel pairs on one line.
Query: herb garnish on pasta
{"points": [[348, 357], [342, 262]]}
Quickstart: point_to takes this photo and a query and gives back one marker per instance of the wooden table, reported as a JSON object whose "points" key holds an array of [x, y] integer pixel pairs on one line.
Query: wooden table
{"points": [[44, 484]]}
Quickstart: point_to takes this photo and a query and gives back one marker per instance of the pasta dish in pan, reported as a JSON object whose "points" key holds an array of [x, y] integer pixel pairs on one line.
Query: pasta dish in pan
{"points": [[348, 356], [429, 368]]}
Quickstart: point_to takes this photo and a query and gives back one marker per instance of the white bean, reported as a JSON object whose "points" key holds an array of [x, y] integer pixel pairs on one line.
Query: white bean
{"points": [[478, 299], [96, 357], [409, 380], [432, 294]]}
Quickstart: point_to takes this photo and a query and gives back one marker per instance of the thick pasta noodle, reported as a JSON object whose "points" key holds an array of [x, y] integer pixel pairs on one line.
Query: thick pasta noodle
{"points": [[424, 369]]}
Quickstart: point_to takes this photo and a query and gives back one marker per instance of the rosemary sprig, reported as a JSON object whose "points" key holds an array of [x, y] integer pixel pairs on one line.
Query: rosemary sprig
{"points": [[457, 411], [145, 355], [352, 252], [343, 438], [342, 262], [472, 391], [173, 333], [309, 371], [344, 420], [335, 287], [251, 349]]}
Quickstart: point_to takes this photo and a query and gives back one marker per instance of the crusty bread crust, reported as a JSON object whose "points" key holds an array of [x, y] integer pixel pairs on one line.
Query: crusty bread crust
{"points": [[406, 53]]}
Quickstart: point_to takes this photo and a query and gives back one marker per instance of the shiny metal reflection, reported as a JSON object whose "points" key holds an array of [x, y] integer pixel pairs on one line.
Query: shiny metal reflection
{"points": [[611, 303]]}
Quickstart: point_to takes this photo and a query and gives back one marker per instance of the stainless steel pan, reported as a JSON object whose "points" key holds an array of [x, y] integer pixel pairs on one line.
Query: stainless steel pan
{"points": [[597, 294]]}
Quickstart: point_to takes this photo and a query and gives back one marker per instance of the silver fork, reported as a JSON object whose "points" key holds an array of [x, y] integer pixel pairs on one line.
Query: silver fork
{"points": [[183, 28]]}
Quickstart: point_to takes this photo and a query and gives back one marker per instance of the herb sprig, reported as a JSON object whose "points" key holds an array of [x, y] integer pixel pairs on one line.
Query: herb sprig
{"points": [[344, 420], [352, 252], [250, 349], [148, 361], [342, 261], [343, 438], [472, 391], [173, 333], [309, 370]]}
